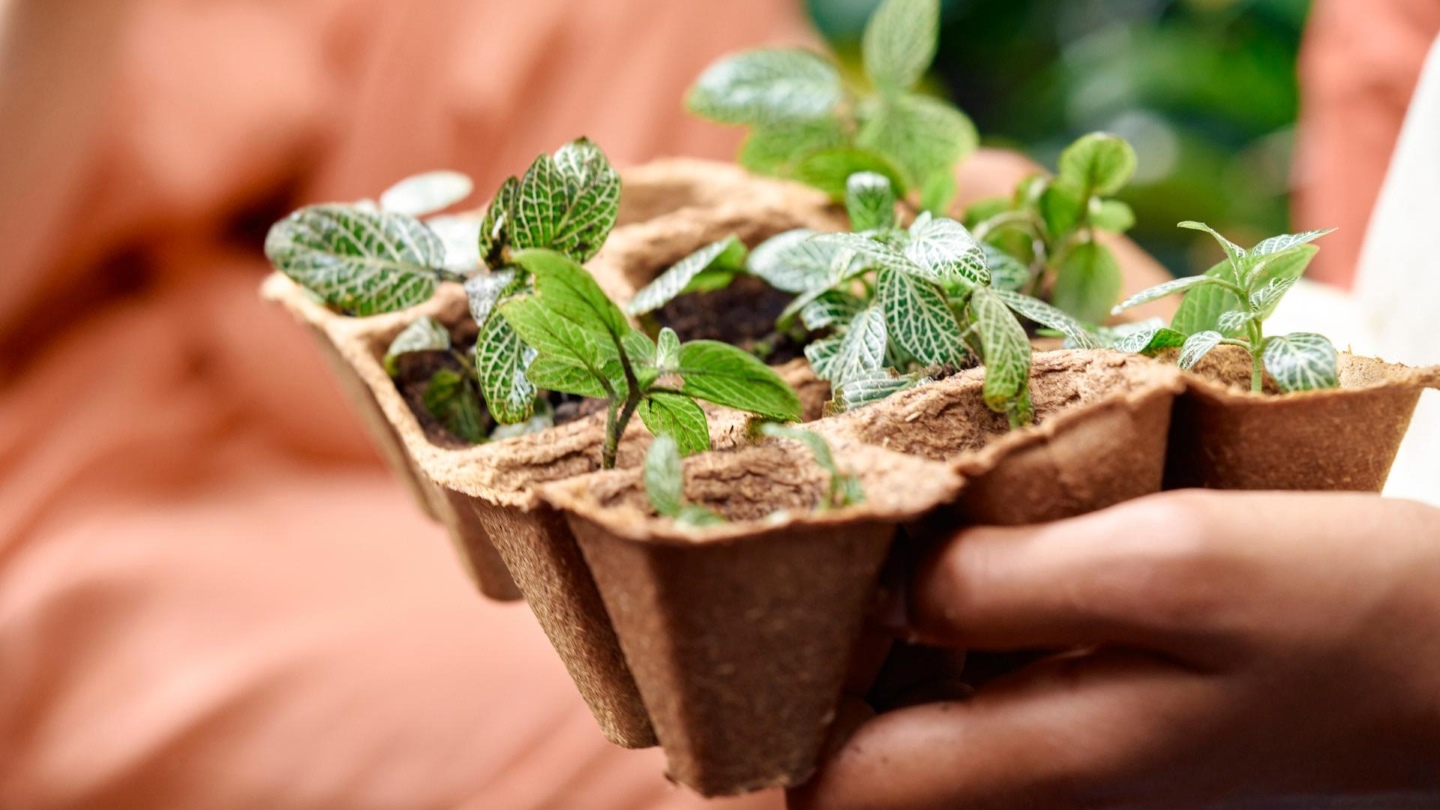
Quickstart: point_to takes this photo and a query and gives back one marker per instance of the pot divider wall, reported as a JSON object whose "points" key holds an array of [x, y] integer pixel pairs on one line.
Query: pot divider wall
{"points": [[740, 635], [1226, 437]]}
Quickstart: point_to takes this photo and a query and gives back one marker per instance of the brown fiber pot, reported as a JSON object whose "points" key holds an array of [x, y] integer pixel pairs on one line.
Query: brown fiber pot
{"points": [[1224, 436], [740, 635]]}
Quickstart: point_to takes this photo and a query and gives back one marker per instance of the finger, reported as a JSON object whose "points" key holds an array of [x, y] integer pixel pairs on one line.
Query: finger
{"points": [[1061, 734], [1154, 573]]}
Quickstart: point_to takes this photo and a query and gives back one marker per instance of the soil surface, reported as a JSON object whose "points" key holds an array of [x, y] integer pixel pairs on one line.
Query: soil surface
{"points": [[413, 373], [742, 314]]}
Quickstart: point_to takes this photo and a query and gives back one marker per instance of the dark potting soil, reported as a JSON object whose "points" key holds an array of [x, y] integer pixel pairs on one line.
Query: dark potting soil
{"points": [[413, 373], [742, 314]]}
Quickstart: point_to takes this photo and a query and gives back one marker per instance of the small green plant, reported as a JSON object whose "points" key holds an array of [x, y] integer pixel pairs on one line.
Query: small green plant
{"points": [[844, 489], [1228, 305], [1042, 240], [807, 124], [583, 345], [665, 485]]}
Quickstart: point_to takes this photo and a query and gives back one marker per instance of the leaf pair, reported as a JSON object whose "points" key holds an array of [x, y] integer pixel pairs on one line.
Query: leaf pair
{"points": [[805, 125]]}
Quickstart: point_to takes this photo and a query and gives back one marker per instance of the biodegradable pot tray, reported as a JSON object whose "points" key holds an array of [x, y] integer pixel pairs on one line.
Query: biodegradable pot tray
{"points": [[740, 635], [1102, 418], [1226, 437]]}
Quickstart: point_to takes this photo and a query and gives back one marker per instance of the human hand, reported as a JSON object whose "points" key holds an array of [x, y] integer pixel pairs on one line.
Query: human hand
{"points": [[1226, 645]]}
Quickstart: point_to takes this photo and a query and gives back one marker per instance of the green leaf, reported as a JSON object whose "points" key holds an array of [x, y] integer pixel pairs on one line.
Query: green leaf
{"points": [[1150, 339], [1088, 282], [360, 262], [831, 308], [557, 338], [710, 280], [1202, 307], [844, 489], [821, 355], [1111, 215], [1006, 350], [495, 227], [1159, 291], [1301, 361], [1006, 271], [725, 375], [667, 352], [870, 201], [1100, 163], [1281, 269], [829, 169], [868, 254], [1051, 317], [484, 289], [1062, 205], [451, 399], [1233, 252], [426, 193], [919, 319], [669, 414], [695, 516], [919, 134], [899, 42], [664, 476], [568, 290], [946, 252], [860, 351], [1234, 321], [1264, 300], [501, 360], [1282, 243], [565, 375], [868, 389], [425, 334], [766, 87], [791, 262], [776, 149], [1197, 346], [937, 192], [728, 253], [567, 203], [543, 419]]}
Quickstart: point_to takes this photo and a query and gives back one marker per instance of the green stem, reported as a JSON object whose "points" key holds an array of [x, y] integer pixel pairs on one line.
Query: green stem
{"points": [[612, 438], [615, 423], [1257, 344]]}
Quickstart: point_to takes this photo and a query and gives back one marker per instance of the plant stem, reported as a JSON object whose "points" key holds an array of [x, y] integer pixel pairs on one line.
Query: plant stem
{"points": [[612, 437], [1257, 364], [615, 423]]}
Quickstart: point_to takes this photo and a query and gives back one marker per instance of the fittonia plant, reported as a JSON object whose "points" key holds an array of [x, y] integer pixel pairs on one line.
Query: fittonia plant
{"points": [[1228, 305], [888, 305], [1043, 239], [584, 346], [367, 258], [808, 124]]}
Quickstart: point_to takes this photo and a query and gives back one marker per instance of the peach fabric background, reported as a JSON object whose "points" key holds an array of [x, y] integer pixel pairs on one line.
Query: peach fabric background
{"points": [[211, 595]]}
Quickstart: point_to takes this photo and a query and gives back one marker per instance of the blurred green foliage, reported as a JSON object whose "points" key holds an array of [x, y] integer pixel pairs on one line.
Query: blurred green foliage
{"points": [[1205, 90]]}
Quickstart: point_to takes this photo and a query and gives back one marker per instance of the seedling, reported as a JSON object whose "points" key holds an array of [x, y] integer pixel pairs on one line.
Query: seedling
{"points": [[844, 489], [807, 124], [1044, 237], [665, 485], [1228, 305], [583, 345]]}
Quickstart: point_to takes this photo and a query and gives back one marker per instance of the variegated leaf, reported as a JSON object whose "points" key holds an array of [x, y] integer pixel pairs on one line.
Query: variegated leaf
{"points": [[425, 334], [766, 87], [727, 253], [792, 262], [1161, 290], [822, 353], [1006, 350], [1197, 346], [664, 476], [862, 348], [830, 309], [1234, 252], [868, 254], [1278, 244], [1150, 339], [946, 252], [899, 42], [1301, 361], [918, 318], [1267, 298], [501, 359], [451, 399], [1006, 271], [541, 420], [426, 193], [1283, 268], [359, 262], [461, 238], [496, 225], [868, 389], [870, 201], [1201, 308], [667, 349], [1234, 321], [567, 203], [484, 289], [1077, 336]]}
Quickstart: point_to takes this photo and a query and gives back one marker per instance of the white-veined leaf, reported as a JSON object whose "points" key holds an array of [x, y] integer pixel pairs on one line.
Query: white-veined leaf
{"points": [[1201, 308], [1076, 334], [667, 349], [868, 254], [426, 193], [860, 350], [870, 201], [501, 359], [1301, 361], [821, 355], [1234, 321], [1278, 244], [425, 334], [496, 224], [461, 238], [1159, 291], [766, 87], [543, 419], [360, 262], [831, 308], [899, 42], [727, 253], [664, 476], [1267, 298], [1149, 339], [484, 289], [567, 203], [918, 318], [857, 392], [1283, 268], [792, 262], [1234, 252], [1197, 346], [946, 252], [1006, 350], [1006, 271]]}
